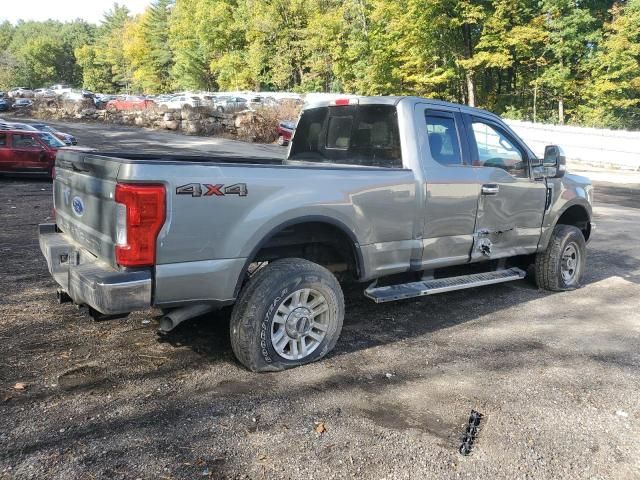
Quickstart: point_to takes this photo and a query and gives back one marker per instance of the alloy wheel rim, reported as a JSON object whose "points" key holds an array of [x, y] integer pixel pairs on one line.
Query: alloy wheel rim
{"points": [[300, 324]]}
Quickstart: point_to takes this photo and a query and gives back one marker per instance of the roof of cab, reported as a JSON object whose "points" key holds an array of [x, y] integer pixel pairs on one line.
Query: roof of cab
{"points": [[394, 100]]}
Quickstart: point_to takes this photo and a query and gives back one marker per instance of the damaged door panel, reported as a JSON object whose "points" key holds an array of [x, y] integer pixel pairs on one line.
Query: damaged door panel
{"points": [[511, 204]]}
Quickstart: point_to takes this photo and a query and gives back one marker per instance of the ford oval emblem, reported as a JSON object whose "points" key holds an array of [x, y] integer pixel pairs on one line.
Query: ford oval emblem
{"points": [[78, 206]]}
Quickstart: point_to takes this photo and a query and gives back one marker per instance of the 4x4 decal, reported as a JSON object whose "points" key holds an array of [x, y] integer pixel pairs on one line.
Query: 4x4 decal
{"points": [[211, 189]]}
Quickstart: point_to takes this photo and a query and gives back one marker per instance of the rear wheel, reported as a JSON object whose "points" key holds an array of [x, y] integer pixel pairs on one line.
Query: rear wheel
{"points": [[290, 313], [561, 266]]}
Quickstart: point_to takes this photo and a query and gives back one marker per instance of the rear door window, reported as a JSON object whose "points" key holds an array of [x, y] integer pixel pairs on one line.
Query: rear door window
{"points": [[3, 139], [365, 135]]}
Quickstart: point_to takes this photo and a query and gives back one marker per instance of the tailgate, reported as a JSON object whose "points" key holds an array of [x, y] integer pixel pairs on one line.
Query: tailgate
{"points": [[84, 200]]}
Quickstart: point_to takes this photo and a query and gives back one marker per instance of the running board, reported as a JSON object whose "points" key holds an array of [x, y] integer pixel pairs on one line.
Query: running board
{"points": [[440, 285]]}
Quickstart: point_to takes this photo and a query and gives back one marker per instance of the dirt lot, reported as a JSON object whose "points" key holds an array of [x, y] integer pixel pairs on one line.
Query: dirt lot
{"points": [[557, 377]]}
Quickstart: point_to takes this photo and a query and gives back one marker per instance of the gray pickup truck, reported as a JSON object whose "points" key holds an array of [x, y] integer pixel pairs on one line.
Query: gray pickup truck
{"points": [[407, 196]]}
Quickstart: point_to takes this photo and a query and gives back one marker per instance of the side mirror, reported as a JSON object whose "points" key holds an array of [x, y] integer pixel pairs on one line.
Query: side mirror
{"points": [[554, 157]]}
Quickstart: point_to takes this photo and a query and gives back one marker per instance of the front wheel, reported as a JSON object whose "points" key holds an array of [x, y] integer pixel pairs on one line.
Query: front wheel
{"points": [[289, 314], [561, 266]]}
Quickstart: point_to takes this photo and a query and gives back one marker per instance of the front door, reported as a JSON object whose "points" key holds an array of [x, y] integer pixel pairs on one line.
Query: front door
{"points": [[451, 187], [511, 204], [29, 154]]}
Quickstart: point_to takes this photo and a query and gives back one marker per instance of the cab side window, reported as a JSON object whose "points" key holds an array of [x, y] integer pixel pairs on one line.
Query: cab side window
{"points": [[443, 139], [495, 149], [24, 141]]}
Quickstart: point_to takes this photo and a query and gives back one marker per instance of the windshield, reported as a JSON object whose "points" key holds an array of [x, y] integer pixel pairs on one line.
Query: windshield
{"points": [[365, 135], [51, 140]]}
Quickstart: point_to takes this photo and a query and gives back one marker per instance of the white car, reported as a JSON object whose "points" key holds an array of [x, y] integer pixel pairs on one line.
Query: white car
{"points": [[74, 95], [60, 88], [44, 93], [180, 101], [20, 92]]}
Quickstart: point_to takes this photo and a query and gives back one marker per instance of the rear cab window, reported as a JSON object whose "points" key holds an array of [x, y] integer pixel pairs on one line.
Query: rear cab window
{"points": [[362, 135]]}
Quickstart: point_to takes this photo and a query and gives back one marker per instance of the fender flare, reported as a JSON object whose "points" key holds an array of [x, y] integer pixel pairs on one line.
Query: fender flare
{"points": [[358, 257], [546, 234]]}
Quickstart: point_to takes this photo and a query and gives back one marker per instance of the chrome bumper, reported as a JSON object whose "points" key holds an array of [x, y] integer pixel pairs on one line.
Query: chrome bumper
{"points": [[89, 281]]}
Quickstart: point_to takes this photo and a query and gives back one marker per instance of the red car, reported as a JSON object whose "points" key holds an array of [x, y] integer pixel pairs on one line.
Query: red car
{"points": [[285, 132], [128, 102], [27, 152]]}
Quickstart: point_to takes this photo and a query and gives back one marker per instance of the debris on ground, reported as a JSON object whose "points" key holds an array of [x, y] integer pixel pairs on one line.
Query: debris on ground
{"points": [[470, 432], [319, 428]]}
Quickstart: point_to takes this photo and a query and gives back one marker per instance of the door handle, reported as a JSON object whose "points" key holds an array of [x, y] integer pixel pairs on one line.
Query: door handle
{"points": [[490, 189]]}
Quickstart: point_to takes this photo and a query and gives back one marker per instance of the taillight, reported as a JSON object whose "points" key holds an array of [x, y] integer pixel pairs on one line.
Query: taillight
{"points": [[140, 214]]}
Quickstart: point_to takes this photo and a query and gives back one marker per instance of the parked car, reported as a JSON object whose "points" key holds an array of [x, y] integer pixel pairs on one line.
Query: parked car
{"points": [[21, 103], [44, 93], [207, 100], [100, 100], [20, 92], [231, 104], [67, 138], [27, 152], [5, 105], [128, 102], [392, 191], [285, 132], [77, 95], [180, 101], [60, 88]]}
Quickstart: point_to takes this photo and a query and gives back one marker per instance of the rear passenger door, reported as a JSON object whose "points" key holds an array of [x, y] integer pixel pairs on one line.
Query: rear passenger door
{"points": [[451, 186], [512, 203]]}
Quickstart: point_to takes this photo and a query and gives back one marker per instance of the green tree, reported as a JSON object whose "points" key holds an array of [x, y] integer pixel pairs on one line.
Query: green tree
{"points": [[105, 65], [614, 96]]}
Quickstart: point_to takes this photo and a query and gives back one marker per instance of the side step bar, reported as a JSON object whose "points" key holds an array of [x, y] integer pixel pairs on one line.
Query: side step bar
{"points": [[440, 285]]}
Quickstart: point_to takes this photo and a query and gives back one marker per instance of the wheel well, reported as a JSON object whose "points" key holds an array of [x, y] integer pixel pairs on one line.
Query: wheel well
{"points": [[320, 242], [578, 217]]}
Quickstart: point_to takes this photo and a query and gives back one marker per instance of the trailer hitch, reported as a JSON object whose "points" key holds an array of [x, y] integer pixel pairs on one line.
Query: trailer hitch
{"points": [[470, 432]]}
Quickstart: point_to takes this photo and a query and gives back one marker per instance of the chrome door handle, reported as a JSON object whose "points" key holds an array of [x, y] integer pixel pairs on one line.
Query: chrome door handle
{"points": [[490, 189]]}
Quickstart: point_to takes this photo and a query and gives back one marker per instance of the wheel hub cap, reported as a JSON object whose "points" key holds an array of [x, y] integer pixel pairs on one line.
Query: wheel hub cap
{"points": [[570, 265], [298, 322]]}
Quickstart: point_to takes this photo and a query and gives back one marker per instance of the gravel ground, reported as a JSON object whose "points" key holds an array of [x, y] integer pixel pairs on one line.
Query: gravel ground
{"points": [[556, 376]]}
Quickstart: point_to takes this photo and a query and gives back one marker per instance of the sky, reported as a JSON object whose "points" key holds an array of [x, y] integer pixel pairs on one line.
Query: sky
{"points": [[63, 10]]}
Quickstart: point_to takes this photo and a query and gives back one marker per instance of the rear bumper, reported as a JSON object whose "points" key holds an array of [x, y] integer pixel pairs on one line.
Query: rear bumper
{"points": [[89, 281]]}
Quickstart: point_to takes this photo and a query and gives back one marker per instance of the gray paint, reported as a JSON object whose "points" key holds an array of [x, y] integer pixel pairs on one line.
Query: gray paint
{"points": [[420, 217]]}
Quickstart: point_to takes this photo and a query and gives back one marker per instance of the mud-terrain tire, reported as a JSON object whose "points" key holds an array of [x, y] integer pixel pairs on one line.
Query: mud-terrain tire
{"points": [[289, 308], [561, 266]]}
